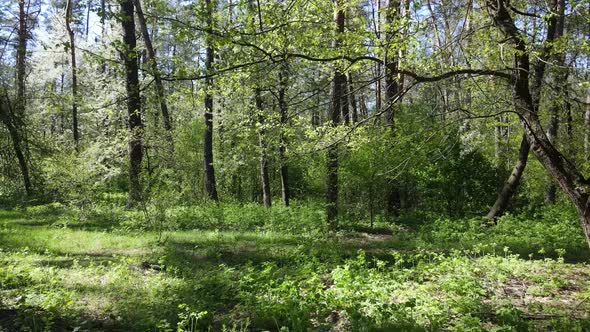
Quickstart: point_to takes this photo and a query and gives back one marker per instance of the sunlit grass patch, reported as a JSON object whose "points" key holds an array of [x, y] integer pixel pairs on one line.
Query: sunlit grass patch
{"points": [[139, 280]]}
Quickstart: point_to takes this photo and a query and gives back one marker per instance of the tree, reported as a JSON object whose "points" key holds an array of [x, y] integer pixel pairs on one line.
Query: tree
{"points": [[155, 71], [510, 186], [561, 169], [72, 48], [264, 178], [284, 116], [7, 117], [209, 171], [560, 77], [391, 61], [334, 119], [135, 124], [14, 119]]}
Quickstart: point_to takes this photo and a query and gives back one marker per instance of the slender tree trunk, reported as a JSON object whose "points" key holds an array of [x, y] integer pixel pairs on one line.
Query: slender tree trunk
{"points": [[352, 99], [264, 178], [587, 127], [510, 187], [378, 88], [335, 109], [379, 72], [498, 143], [76, 135], [345, 105], [569, 123], [315, 114], [7, 119], [512, 183], [209, 171], [21, 53], [103, 10], [135, 145], [363, 107], [285, 192], [151, 58], [551, 190], [15, 121]]}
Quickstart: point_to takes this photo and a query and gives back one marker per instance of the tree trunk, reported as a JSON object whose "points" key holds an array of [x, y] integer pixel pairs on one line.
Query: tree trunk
{"points": [[285, 192], [15, 121], [135, 145], [264, 178], [7, 119], [560, 78], [345, 105], [334, 118], [391, 62], [209, 171], [552, 130], [511, 184], [21, 53], [539, 72], [587, 127], [352, 99], [103, 10], [562, 170], [364, 112], [88, 6], [69, 9], [151, 58]]}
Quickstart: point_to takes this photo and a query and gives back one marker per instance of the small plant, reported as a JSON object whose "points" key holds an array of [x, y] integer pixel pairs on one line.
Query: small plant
{"points": [[189, 320]]}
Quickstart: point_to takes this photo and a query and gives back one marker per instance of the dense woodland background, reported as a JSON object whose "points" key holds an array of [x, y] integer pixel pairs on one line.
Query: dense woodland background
{"points": [[444, 118]]}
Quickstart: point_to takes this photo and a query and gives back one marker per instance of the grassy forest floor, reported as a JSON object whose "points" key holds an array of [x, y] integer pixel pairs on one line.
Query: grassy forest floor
{"points": [[61, 271]]}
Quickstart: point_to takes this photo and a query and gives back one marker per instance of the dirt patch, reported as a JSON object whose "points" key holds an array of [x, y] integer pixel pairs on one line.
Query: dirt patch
{"points": [[365, 238]]}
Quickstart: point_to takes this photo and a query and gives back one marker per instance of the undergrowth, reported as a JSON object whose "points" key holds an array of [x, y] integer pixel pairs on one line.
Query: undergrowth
{"points": [[242, 268]]}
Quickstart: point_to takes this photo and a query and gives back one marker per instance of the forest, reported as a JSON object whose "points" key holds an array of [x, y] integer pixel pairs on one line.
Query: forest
{"points": [[294, 165]]}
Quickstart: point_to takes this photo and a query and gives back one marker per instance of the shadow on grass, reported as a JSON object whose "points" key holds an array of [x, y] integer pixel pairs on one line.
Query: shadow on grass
{"points": [[82, 260]]}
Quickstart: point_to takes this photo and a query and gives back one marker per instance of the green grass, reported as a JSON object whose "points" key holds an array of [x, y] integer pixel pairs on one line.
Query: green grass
{"points": [[59, 272]]}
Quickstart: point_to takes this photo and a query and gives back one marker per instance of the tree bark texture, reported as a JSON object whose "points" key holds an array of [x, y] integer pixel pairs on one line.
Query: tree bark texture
{"points": [[135, 145], [75, 132], [209, 171], [334, 120], [510, 186], [155, 70], [562, 170]]}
